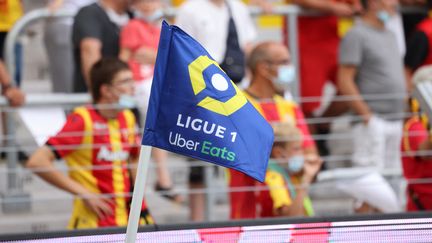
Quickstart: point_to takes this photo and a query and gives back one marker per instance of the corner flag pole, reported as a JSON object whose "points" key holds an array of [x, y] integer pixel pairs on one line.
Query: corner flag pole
{"points": [[138, 193]]}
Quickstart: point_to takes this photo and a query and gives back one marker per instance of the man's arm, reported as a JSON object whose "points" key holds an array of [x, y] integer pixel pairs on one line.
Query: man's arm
{"points": [[145, 55], [347, 86], [14, 95], [41, 162], [90, 53]]}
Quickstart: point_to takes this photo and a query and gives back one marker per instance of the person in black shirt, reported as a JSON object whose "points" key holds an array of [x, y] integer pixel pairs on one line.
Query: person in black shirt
{"points": [[95, 35], [418, 45]]}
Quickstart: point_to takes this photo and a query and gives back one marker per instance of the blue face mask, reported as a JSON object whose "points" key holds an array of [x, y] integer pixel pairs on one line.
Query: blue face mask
{"points": [[286, 75], [127, 101], [295, 163], [383, 16], [155, 16]]}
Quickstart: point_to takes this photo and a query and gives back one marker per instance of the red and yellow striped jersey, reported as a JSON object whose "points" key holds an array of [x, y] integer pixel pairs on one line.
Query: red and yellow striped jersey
{"points": [[279, 109], [97, 151]]}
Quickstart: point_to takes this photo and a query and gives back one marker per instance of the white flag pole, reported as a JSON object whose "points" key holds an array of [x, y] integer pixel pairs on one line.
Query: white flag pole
{"points": [[138, 194]]}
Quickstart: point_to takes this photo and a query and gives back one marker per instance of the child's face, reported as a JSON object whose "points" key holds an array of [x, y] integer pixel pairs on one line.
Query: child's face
{"points": [[293, 149], [290, 156], [122, 84], [287, 150], [147, 7]]}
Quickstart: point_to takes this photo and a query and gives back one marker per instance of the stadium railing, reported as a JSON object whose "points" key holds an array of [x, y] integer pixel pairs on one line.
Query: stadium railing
{"points": [[14, 188]]}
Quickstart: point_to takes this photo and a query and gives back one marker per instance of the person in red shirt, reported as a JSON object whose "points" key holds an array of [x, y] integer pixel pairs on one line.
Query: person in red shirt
{"points": [[271, 68], [318, 45], [416, 159], [98, 143], [139, 39]]}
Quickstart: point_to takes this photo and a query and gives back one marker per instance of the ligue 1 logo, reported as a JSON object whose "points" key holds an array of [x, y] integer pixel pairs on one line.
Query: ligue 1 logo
{"points": [[219, 82]]}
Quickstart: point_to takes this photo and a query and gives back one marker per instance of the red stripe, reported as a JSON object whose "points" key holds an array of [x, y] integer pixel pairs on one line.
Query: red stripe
{"points": [[229, 234], [312, 232], [270, 111]]}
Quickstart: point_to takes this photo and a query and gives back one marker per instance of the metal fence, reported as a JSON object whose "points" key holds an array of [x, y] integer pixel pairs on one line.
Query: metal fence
{"points": [[16, 199]]}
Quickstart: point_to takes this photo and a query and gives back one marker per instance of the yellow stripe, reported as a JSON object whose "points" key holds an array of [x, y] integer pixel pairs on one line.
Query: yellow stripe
{"points": [[130, 122], [278, 191], [14, 11], [82, 157], [117, 174], [149, 219], [285, 109], [344, 25]]}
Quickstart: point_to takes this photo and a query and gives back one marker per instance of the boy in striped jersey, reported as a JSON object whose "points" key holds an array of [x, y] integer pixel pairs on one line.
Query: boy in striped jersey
{"points": [[98, 143]]}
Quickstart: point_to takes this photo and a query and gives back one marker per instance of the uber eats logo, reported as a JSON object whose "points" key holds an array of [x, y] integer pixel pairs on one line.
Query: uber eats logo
{"points": [[219, 83], [219, 95]]}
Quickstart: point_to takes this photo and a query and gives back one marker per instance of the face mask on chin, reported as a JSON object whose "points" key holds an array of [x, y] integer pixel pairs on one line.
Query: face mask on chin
{"points": [[383, 16], [126, 102], [295, 164], [155, 16], [286, 74]]}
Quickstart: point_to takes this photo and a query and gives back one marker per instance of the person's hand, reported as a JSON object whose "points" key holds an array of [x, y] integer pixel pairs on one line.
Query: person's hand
{"points": [[15, 96], [311, 168], [99, 205], [266, 7], [342, 9], [54, 6], [145, 55], [366, 118]]}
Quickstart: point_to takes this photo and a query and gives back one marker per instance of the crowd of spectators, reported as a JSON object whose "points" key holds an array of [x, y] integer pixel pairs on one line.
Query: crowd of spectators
{"points": [[356, 45]]}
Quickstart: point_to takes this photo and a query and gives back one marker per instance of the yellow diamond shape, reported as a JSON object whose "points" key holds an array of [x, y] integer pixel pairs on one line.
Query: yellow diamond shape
{"points": [[196, 69]]}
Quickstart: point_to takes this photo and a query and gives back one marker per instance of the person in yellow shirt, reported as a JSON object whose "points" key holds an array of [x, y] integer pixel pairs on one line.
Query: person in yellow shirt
{"points": [[10, 12]]}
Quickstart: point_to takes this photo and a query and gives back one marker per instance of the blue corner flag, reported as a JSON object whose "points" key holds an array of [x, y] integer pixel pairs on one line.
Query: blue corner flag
{"points": [[197, 111]]}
